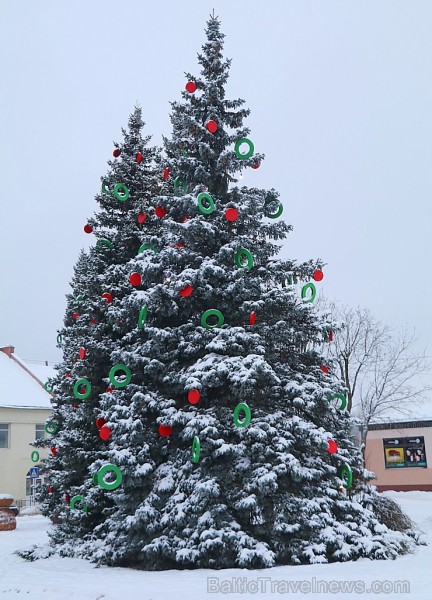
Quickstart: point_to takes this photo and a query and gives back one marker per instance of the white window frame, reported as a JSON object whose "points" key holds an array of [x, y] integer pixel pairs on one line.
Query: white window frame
{"points": [[41, 430], [6, 427]]}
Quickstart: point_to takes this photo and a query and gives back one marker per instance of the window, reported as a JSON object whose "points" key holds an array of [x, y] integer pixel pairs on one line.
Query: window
{"points": [[33, 486], [40, 431], [4, 435], [404, 452]]}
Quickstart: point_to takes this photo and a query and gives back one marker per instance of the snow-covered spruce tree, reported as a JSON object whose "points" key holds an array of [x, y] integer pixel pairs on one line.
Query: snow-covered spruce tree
{"points": [[226, 448], [71, 420], [89, 335]]}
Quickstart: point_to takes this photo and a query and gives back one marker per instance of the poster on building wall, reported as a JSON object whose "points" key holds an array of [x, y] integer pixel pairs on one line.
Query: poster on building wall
{"points": [[394, 453], [415, 454], [404, 452]]}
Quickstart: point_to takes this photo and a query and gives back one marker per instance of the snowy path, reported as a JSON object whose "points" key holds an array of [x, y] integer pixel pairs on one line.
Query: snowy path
{"points": [[72, 579]]}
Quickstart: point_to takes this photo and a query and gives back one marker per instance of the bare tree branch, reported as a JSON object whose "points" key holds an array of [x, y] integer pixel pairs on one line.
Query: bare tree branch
{"points": [[381, 369]]}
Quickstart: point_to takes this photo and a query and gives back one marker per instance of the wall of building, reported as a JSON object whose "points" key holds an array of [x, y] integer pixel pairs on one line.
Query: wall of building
{"points": [[400, 478], [15, 461]]}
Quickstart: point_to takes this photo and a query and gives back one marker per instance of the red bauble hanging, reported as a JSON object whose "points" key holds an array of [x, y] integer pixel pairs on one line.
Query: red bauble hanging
{"points": [[88, 228], [186, 291], [109, 390], [139, 157], [100, 422], [67, 498], [135, 279], [105, 433], [82, 353], [212, 126], [54, 451], [231, 214], [252, 318], [191, 87], [180, 245], [331, 336], [108, 297], [116, 152], [93, 321], [75, 315], [318, 275], [324, 369], [194, 396], [165, 430], [75, 405], [332, 447], [141, 218], [186, 218], [256, 165], [50, 490], [166, 173], [67, 375], [160, 212]]}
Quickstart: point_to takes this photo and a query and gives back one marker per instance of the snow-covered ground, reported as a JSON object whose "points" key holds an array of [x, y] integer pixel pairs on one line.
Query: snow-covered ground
{"points": [[73, 579]]}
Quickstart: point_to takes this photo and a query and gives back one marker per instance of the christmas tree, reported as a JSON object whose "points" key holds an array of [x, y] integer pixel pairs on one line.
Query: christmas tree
{"points": [[229, 443], [77, 432]]}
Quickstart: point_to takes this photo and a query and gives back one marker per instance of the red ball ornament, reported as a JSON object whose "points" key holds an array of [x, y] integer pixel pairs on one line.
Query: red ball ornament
{"points": [[135, 279], [324, 369], [54, 451], [82, 353], [252, 318], [108, 297], [50, 490], [88, 228], [67, 374], [194, 396], [93, 321], [186, 291], [109, 390], [256, 165], [331, 336], [141, 218], [212, 126], [166, 173], [191, 87], [139, 157], [75, 315], [105, 433], [116, 152], [100, 422], [160, 212], [67, 498], [165, 430], [185, 219], [332, 447], [318, 275], [180, 245], [75, 405], [231, 214]]}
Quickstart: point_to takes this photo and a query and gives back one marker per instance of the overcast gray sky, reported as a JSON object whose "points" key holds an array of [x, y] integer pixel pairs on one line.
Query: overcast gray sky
{"points": [[341, 99]]}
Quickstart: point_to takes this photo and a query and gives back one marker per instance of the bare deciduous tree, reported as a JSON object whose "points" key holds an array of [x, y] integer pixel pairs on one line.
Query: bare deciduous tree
{"points": [[381, 368]]}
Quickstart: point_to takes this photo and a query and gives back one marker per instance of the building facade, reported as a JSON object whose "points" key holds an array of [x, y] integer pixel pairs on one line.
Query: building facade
{"points": [[24, 409], [400, 455]]}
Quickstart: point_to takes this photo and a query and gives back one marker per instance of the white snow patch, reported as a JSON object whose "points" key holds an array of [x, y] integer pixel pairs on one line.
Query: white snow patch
{"points": [[64, 578]]}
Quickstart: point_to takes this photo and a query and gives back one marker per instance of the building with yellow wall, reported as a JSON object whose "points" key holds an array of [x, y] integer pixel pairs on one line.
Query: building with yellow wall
{"points": [[24, 409]]}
